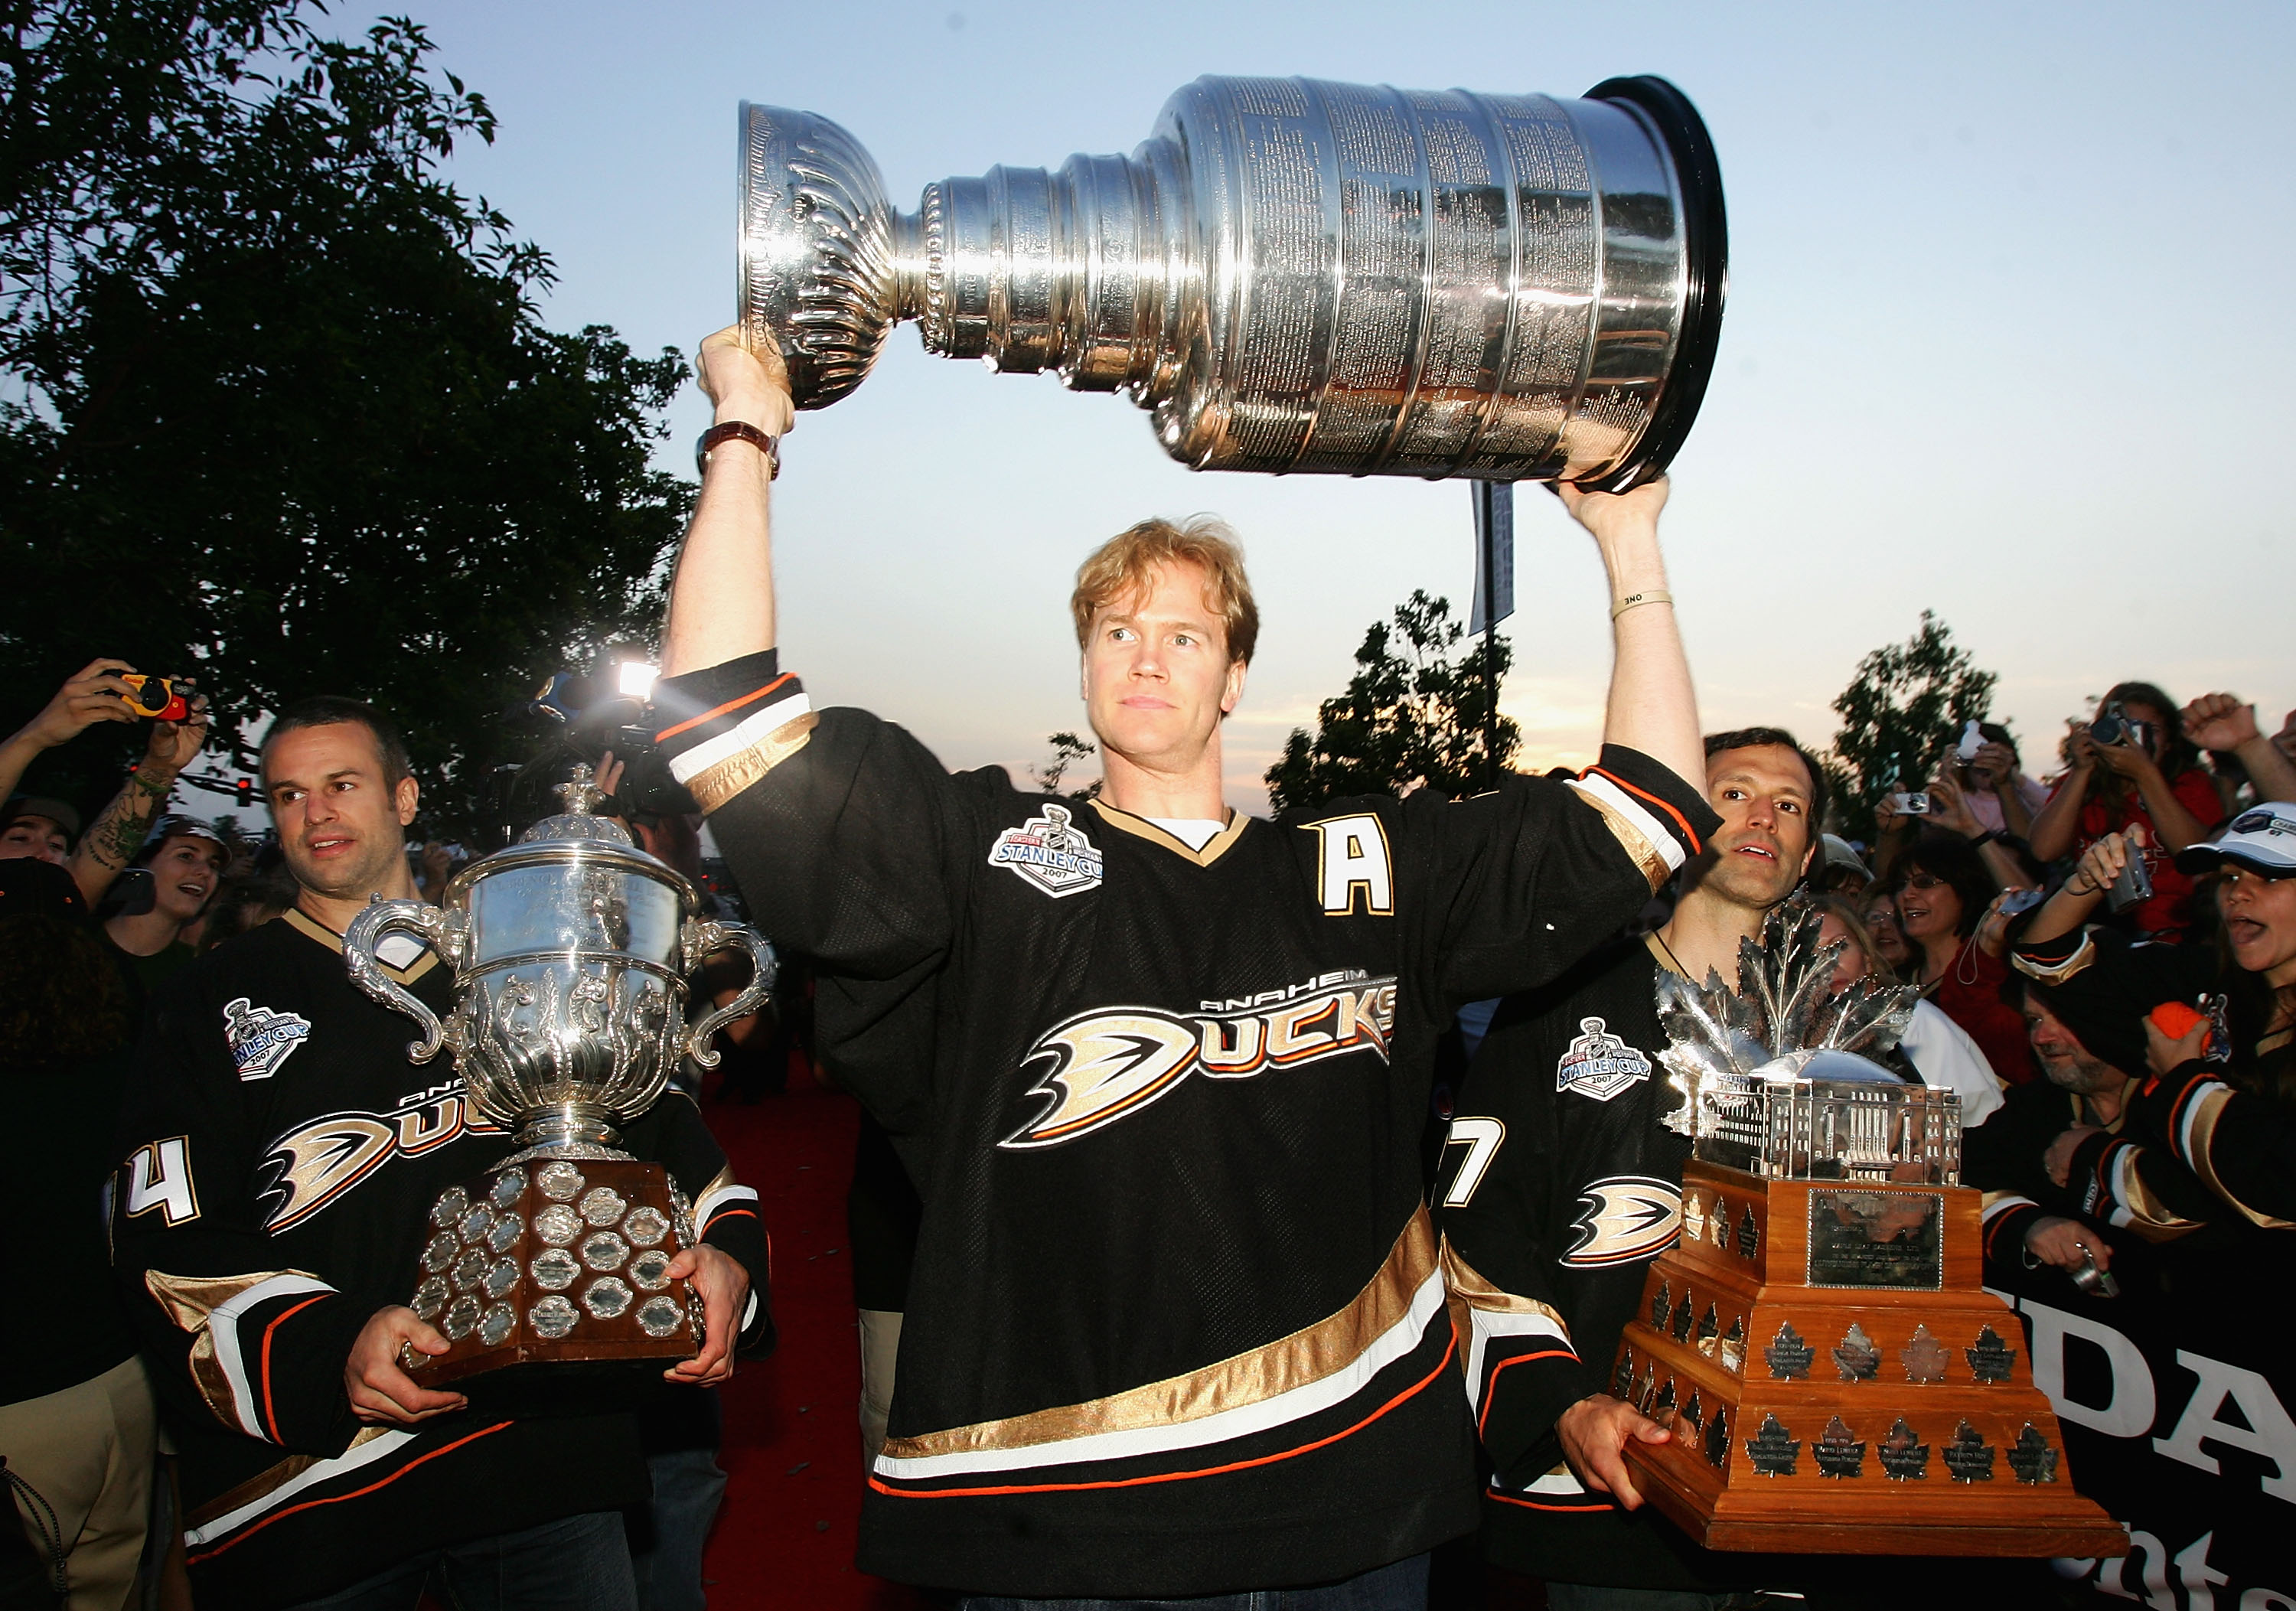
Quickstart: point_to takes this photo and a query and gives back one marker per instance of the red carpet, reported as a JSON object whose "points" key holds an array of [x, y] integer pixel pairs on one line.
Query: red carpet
{"points": [[792, 1449]]}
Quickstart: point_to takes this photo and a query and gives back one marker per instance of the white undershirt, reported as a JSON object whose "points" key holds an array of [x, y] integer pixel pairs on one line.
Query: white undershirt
{"points": [[399, 951], [1194, 832]]}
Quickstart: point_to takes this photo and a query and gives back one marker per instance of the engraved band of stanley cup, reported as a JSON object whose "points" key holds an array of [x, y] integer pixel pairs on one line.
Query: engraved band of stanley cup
{"points": [[1292, 275]]}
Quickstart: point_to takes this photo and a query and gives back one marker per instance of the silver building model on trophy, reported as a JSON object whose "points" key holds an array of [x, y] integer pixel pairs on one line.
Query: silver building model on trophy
{"points": [[570, 951], [1291, 275]]}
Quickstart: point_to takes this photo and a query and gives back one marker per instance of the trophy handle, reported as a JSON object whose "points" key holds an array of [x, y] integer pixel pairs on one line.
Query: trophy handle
{"points": [[705, 935], [366, 931]]}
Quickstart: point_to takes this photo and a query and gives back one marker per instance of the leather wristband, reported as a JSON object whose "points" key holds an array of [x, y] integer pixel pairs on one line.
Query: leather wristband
{"points": [[738, 431]]}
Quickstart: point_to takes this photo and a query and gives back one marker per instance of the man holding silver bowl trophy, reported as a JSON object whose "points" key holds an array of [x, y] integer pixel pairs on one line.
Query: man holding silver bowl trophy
{"points": [[403, 1311]]}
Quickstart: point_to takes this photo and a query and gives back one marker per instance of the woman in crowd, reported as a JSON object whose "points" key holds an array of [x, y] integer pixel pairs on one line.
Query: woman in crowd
{"points": [[1878, 907], [2252, 966], [2000, 796], [2150, 775], [1946, 906], [1939, 1050]]}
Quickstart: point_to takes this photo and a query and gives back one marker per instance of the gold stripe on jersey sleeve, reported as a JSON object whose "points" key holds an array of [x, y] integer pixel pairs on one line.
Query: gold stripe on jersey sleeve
{"points": [[1305, 1357], [1467, 1288], [1631, 839], [2201, 1130], [713, 786], [189, 1301]]}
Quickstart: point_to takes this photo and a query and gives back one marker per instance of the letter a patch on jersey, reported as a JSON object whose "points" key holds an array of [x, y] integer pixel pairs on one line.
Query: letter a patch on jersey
{"points": [[261, 1040], [1598, 1064], [1049, 852]]}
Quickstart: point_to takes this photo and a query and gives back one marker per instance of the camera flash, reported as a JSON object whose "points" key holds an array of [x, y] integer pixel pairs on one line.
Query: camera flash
{"points": [[636, 678]]}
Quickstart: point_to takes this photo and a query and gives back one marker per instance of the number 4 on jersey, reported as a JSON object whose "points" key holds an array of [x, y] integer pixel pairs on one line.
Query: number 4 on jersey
{"points": [[159, 1176], [1481, 1138]]}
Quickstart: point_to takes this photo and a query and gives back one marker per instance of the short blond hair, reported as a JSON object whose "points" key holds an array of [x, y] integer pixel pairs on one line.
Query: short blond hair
{"points": [[1125, 565]]}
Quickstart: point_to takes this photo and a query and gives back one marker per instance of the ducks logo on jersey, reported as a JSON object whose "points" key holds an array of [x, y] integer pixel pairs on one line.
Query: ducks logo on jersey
{"points": [[1110, 1063]]}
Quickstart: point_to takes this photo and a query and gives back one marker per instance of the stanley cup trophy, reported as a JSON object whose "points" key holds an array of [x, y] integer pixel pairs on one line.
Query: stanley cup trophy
{"points": [[570, 951], [1819, 1341], [1291, 275]]}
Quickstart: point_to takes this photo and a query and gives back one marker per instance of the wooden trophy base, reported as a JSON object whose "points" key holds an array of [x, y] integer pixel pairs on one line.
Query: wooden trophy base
{"points": [[547, 1277], [1839, 1381]]}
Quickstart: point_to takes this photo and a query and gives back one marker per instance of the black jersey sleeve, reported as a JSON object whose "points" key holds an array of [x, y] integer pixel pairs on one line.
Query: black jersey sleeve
{"points": [[1524, 881], [727, 1214], [1523, 1370], [835, 826], [231, 1334], [2239, 1146]]}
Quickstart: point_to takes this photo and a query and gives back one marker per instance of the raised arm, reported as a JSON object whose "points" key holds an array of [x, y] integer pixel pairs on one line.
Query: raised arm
{"points": [[2056, 826], [118, 833], [721, 598], [95, 695], [1653, 707], [2223, 723]]}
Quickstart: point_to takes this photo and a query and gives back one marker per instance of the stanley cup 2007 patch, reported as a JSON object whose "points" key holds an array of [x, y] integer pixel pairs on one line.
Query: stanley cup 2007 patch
{"points": [[1049, 852], [1598, 1064], [259, 1038]]}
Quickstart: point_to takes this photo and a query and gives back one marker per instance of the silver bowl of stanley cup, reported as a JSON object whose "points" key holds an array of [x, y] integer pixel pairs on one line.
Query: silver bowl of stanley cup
{"points": [[1292, 276], [571, 950]]}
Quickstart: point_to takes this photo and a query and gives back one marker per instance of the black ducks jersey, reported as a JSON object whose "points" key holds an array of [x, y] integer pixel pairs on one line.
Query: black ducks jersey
{"points": [[281, 1157], [1175, 1325]]}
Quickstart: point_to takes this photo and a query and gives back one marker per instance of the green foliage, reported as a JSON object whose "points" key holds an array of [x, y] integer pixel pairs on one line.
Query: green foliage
{"points": [[1900, 714], [1068, 748], [1414, 713], [288, 419]]}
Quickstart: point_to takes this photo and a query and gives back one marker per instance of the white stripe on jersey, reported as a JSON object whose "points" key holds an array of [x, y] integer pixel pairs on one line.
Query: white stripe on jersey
{"points": [[1490, 1325], [712, 1201], [1670, 848], [223, 1328], [359, 1454], [753, 729], [1396, 1343]]}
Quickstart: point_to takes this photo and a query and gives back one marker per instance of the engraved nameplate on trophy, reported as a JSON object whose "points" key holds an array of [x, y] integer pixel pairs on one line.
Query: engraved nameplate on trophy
{"points": [[1292, 276], [1865, 1239]]}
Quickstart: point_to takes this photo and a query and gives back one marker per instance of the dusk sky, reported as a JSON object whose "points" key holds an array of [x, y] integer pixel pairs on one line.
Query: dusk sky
{"points": [[2007, 339]]}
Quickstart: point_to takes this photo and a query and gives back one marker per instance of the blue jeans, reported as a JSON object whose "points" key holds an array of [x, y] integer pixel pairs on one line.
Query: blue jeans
{"points": [[579, 1562], [687, 1487], [1399, 1587]]}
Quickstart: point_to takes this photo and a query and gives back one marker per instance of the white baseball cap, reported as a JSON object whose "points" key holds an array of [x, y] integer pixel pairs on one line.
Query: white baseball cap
{"points": [[2262, 839]]}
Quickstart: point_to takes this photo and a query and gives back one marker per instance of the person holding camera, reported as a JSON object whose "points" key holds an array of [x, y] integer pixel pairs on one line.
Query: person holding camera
{"points": [[2214, 1123], [104, 690], [2134, 765]]}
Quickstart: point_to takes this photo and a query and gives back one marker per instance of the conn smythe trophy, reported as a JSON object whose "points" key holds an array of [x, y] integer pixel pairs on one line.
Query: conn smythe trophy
{"points": [[1291, 275], [1819, 1341], [570, 951]]}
